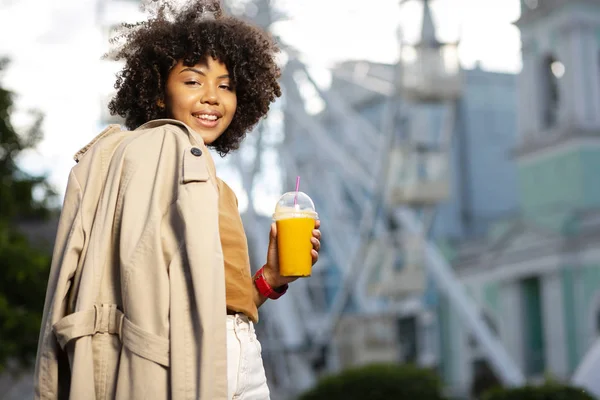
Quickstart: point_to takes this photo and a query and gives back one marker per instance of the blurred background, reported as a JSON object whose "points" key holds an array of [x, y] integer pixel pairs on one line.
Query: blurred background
{"points": [[451, 147]]}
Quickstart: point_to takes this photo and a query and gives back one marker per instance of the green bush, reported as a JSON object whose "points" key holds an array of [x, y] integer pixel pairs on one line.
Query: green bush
{"points": [[546, 392], [378, 382]]}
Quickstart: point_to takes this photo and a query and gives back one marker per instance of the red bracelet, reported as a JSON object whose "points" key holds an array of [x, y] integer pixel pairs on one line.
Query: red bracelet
{"points": [[265, 289]]}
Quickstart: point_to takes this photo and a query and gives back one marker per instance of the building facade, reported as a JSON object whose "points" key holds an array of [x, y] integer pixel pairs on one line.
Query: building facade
{"points": [[536, 274], [522, 221]]}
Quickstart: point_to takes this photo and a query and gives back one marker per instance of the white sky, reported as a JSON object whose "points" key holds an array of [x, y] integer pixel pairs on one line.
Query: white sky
{"points": [[55, 47]]}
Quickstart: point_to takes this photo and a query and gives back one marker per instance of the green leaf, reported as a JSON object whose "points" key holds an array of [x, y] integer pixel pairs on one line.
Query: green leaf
{"points": [[24, 265]]}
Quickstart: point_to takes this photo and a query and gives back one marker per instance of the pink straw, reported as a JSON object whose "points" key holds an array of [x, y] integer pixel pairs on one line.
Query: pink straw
{"points": [[297, 188]]}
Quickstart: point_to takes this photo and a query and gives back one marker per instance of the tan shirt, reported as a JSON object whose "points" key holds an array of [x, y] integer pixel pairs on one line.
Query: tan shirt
{"points": [[238, 281]]}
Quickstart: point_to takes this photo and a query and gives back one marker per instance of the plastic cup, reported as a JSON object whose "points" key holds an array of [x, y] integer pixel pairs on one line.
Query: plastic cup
{"points": [[295, 217]]}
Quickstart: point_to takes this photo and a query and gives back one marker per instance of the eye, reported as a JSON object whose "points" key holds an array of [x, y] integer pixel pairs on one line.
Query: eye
{"points": [[224, 86], [191, 83]]}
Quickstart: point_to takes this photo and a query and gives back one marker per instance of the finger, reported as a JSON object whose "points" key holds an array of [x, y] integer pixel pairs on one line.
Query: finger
{"points": [[316, 244], [317, 224], [315, 256], [273, 232], [290, 279], [316, 233]]}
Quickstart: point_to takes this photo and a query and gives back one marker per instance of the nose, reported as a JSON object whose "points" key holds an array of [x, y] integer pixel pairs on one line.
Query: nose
{"points": [[209, 95]]}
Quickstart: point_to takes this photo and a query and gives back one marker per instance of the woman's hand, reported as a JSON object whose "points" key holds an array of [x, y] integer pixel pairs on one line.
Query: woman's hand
{"points": [[271, 270]]}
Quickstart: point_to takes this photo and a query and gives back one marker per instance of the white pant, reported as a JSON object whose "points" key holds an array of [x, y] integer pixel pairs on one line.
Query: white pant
{"points": [[245, 371]]}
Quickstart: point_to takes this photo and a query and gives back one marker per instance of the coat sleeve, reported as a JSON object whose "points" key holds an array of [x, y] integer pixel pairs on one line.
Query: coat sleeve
{"points": [[52, 374], [198, 211]]}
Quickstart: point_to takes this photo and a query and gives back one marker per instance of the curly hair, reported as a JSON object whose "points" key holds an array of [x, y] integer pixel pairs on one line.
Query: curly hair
{"points": [[191, 34]]}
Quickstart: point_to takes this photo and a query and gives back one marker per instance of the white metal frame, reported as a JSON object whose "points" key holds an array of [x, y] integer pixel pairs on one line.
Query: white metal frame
{"points": [[351, 157]]}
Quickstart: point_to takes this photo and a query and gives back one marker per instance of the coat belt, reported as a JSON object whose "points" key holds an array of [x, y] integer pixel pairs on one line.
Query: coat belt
{"points": [[107, 318]]}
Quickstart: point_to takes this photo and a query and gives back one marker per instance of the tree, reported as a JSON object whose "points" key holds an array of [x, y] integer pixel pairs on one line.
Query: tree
{"points": [[23, 266], [378, 382], [549, 391]]}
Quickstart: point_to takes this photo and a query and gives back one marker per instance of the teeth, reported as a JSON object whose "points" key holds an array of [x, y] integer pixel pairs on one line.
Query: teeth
{"points": [[207, 117]]}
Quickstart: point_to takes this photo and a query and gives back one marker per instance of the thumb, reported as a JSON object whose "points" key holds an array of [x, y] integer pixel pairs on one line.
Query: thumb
{"points": [[272, 250]]}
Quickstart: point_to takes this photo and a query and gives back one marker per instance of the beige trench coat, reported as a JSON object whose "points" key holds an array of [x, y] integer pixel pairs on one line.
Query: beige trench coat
{"points": [[135, 306]]}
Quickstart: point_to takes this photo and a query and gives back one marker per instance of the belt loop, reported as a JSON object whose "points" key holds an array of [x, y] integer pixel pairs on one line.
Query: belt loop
{"points": [[236, 323], [97, 318], [120, 322], [112, 318], [105, 318]]}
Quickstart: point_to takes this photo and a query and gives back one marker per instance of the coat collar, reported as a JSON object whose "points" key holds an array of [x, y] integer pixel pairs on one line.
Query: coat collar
{"points": [[195, 137], [107, 131]]}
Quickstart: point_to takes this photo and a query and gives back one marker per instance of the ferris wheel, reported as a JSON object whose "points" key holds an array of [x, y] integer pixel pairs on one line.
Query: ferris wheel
{"points": [[377, 189]]}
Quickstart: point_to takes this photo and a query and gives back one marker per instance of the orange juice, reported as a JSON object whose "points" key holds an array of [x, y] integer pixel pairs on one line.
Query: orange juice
{"points": [[295, 217], [293, 242]]}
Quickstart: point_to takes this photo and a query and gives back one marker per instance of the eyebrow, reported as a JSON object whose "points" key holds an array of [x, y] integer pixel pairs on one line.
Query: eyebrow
{"points": [[201, 73]]}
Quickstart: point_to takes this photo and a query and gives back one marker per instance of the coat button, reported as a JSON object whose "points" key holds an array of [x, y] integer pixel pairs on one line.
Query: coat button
{"points": [[196, 151]]}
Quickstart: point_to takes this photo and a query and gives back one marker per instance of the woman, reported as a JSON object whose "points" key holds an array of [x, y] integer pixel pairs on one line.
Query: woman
{"points": [[150, 294]]}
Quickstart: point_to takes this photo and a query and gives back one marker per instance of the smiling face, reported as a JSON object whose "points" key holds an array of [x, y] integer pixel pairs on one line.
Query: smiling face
{"points": [[202, 97]]}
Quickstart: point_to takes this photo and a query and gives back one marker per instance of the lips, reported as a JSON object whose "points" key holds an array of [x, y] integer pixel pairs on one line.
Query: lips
{"points": [[207, 118]]}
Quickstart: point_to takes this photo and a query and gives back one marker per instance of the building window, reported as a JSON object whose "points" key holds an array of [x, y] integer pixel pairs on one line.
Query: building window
{"points": [[533, 326], [407, 335], [483, 376], [594, 319], [399, 261], [552, 71]]}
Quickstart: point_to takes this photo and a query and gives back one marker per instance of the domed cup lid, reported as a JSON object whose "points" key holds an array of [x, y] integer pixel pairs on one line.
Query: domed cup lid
{"points": [[294, 205]]}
